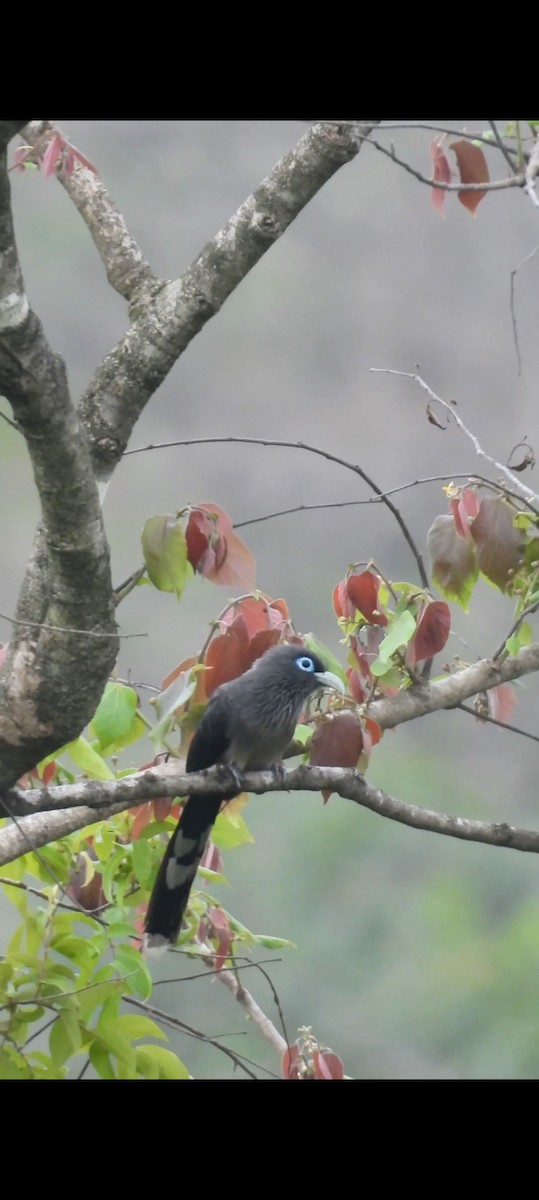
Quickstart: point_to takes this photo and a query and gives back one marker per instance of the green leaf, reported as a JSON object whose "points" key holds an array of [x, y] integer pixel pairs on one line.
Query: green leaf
{"points": [[142, 860], [166, 704], [303, 734], [65, 1037], [97, 994], [230, 831], [165, 552], [12, 1065], [169, 1066], [88, 759], [399, 633], [328, 658], [522, 637], [113, 722], [273, 943], [138, 1026], [100, 1060], [109, 1033], [132, 964]]}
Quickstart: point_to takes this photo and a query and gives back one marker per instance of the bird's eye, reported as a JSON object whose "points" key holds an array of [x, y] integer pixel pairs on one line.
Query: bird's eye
{"points": [[305, 663]]}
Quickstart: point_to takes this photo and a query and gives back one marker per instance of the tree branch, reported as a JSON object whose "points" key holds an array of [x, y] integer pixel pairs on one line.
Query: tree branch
{"points": [[57, 811], [169, 781], [122, 258], [167, 315], [50, 681], [342, 462]]}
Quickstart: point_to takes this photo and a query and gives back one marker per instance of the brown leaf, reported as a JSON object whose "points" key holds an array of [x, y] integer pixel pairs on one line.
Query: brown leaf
{"points": [[473, 168], [227, 656], [499, 545], [431, 634], [453, 558], [337, 741]]}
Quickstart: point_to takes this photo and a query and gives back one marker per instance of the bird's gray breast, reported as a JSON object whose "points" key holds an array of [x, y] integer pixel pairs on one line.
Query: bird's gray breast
{"points": [[259, 730]]}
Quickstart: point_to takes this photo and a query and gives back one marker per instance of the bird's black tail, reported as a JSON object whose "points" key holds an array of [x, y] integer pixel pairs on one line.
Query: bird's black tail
{"points": [[177, 872]]}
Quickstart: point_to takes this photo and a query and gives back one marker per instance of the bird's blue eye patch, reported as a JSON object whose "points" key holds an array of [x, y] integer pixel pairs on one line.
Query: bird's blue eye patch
{"points": [[304, 663]]}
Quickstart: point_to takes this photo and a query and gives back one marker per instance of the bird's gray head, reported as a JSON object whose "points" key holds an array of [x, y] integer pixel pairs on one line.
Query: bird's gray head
{"points": [[299, 672]]}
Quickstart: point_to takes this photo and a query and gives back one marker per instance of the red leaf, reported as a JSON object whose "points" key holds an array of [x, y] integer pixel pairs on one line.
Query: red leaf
{"points": [[498, 544], [238, 569], [223, 522], [473, 168], [441, 173], [359, 692], [501, 701], [432, 632], [341, 601], [143, 816], [53, 155], [465, 510], [374, 730], [212, 858], [363, 591], [337, 741], [258, 613], [220, 930], [290, 1062], [262, 641], [227, 656], [162, 807], [197, 536], [85, 162], [327, 1065]]}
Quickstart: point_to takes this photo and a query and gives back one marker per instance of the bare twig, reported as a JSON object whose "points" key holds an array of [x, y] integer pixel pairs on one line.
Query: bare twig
{"points": [[240, 1060], [496, 185], [311, 450], [66, 629], [501, 724], [517, 484], [502, 652], [501, 146]]}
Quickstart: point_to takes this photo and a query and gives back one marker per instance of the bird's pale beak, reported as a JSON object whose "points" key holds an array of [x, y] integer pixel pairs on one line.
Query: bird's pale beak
{"points": [[327, 679]]}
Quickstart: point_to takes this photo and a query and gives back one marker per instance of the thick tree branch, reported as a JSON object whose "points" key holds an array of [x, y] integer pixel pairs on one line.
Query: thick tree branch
{"points": [[168, 780], [51, 681], [121, 256], [166, 315]]}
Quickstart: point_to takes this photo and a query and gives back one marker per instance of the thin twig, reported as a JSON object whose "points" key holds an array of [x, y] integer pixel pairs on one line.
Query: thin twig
{"points": [[520, 487], [174, 1022], [502, 724], [349, 466], [495, 185], [66, 629], [461, 133], [129, 584], [501, 145], [502, 651]]}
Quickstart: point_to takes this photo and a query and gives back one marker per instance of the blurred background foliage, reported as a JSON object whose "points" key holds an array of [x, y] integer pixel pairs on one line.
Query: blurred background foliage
{"points": [[417, 956]]}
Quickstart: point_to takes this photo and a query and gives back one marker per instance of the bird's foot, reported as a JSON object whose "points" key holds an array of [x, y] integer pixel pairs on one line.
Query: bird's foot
{"points": [[279, 772], [234, 773]]}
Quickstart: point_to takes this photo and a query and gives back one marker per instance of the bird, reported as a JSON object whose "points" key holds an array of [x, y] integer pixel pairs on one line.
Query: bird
{"points": [[247, 724]]}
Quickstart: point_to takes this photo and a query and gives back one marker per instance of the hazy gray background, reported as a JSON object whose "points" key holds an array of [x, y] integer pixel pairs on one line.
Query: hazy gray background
{"points": [[417, 955]]}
